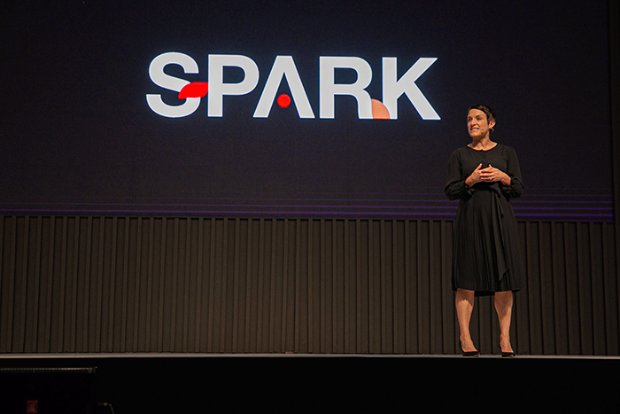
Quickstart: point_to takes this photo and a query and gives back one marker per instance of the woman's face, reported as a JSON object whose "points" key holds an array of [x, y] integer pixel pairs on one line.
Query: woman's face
{"points": [[478, 126]]}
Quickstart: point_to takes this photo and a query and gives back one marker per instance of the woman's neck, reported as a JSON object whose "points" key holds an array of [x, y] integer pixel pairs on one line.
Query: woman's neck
{"points": [[482, 143]]}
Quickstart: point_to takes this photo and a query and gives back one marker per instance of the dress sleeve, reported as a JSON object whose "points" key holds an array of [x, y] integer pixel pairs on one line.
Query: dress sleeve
{"points": [[455, 184], [515, 189]]}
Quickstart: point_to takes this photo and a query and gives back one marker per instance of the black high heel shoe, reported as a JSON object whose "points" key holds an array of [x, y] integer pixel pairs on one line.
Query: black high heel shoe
{"points": [[469, 353], [509, 354]]}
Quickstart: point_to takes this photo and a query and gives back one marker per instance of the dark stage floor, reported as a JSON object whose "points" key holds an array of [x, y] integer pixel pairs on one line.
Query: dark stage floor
{"points": [[203, 383]]}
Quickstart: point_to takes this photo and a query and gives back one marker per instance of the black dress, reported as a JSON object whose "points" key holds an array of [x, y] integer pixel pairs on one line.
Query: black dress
{"points": [[486, 256]]}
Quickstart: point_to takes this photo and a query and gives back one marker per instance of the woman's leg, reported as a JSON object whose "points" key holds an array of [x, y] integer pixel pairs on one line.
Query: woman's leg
{"points": [[464, 303], [503, 307]]}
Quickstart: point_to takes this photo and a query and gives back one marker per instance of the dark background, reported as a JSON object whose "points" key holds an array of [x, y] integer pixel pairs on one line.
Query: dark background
{"points": [[385, 384], [78, 137]]}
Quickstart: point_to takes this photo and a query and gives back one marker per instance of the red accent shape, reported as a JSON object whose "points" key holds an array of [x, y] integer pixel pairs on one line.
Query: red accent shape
{"points": [[284, 100], [194, 90]]}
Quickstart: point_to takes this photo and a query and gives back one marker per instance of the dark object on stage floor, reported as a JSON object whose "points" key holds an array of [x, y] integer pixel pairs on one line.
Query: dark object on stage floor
{"points": [[62, 390]]}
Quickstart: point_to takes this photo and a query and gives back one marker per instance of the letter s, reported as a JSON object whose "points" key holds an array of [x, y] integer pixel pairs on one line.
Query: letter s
{"points": [[159, 78]]}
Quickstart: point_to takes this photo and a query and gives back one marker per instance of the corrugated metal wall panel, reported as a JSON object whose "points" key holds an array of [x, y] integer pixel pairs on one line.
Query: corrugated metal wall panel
{"points": [[153, 284]]}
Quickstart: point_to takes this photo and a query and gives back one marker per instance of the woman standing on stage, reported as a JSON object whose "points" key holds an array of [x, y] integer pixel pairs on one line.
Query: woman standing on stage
{"points": [[484, 176]]}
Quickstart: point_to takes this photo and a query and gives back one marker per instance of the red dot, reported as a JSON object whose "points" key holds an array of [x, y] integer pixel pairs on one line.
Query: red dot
{"points": [[284, 100]]}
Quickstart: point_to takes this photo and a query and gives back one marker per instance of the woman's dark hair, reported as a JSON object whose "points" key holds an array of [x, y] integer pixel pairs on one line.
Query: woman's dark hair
{"points": [[486, 109]]}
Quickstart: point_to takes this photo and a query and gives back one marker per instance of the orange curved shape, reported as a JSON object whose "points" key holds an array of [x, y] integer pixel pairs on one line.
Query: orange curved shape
{"points": [[379, 110]]}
